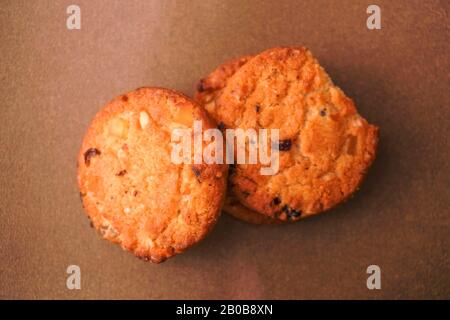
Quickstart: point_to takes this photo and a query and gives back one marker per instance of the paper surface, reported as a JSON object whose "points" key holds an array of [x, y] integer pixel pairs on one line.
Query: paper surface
{"points": [[54, 80]]}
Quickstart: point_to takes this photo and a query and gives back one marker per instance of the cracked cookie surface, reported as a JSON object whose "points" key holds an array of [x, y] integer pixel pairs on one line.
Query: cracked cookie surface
{"points": [[207, 91], [132, 192], [325, 146]]}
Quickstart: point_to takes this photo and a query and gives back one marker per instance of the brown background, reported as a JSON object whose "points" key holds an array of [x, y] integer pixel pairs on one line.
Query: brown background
{"points": [[54, 80]]}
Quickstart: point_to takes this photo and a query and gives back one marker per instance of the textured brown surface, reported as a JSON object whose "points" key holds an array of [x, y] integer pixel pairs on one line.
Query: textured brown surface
{"points": [[132, 192], [53, 81]]}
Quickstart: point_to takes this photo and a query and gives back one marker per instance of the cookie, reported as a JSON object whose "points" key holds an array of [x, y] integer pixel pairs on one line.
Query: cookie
{"points": [[132, 192], [325, 146], [209, 87], [234, 208], [207, 91]]}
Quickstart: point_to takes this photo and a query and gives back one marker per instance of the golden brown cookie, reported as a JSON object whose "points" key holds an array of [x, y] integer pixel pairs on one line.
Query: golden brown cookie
{"points": [[132, 191], [325, 146], [234, 208], [208, 89]]}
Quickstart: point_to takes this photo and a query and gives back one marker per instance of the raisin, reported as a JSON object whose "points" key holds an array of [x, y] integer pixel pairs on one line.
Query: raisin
{"points": [[135, 193], [290, 212], [121, 173], [196, 171], [257, 107], [245, 193], [285, 145], [201, 86], [124, 98], [323, 112], [294, 213], [276, 201], [221, 126], [91, 152]]}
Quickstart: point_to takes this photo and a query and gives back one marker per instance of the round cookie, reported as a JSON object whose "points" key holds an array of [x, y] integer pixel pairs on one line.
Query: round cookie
{"points": [[325, 146], [208, 89], [132, 191]]}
